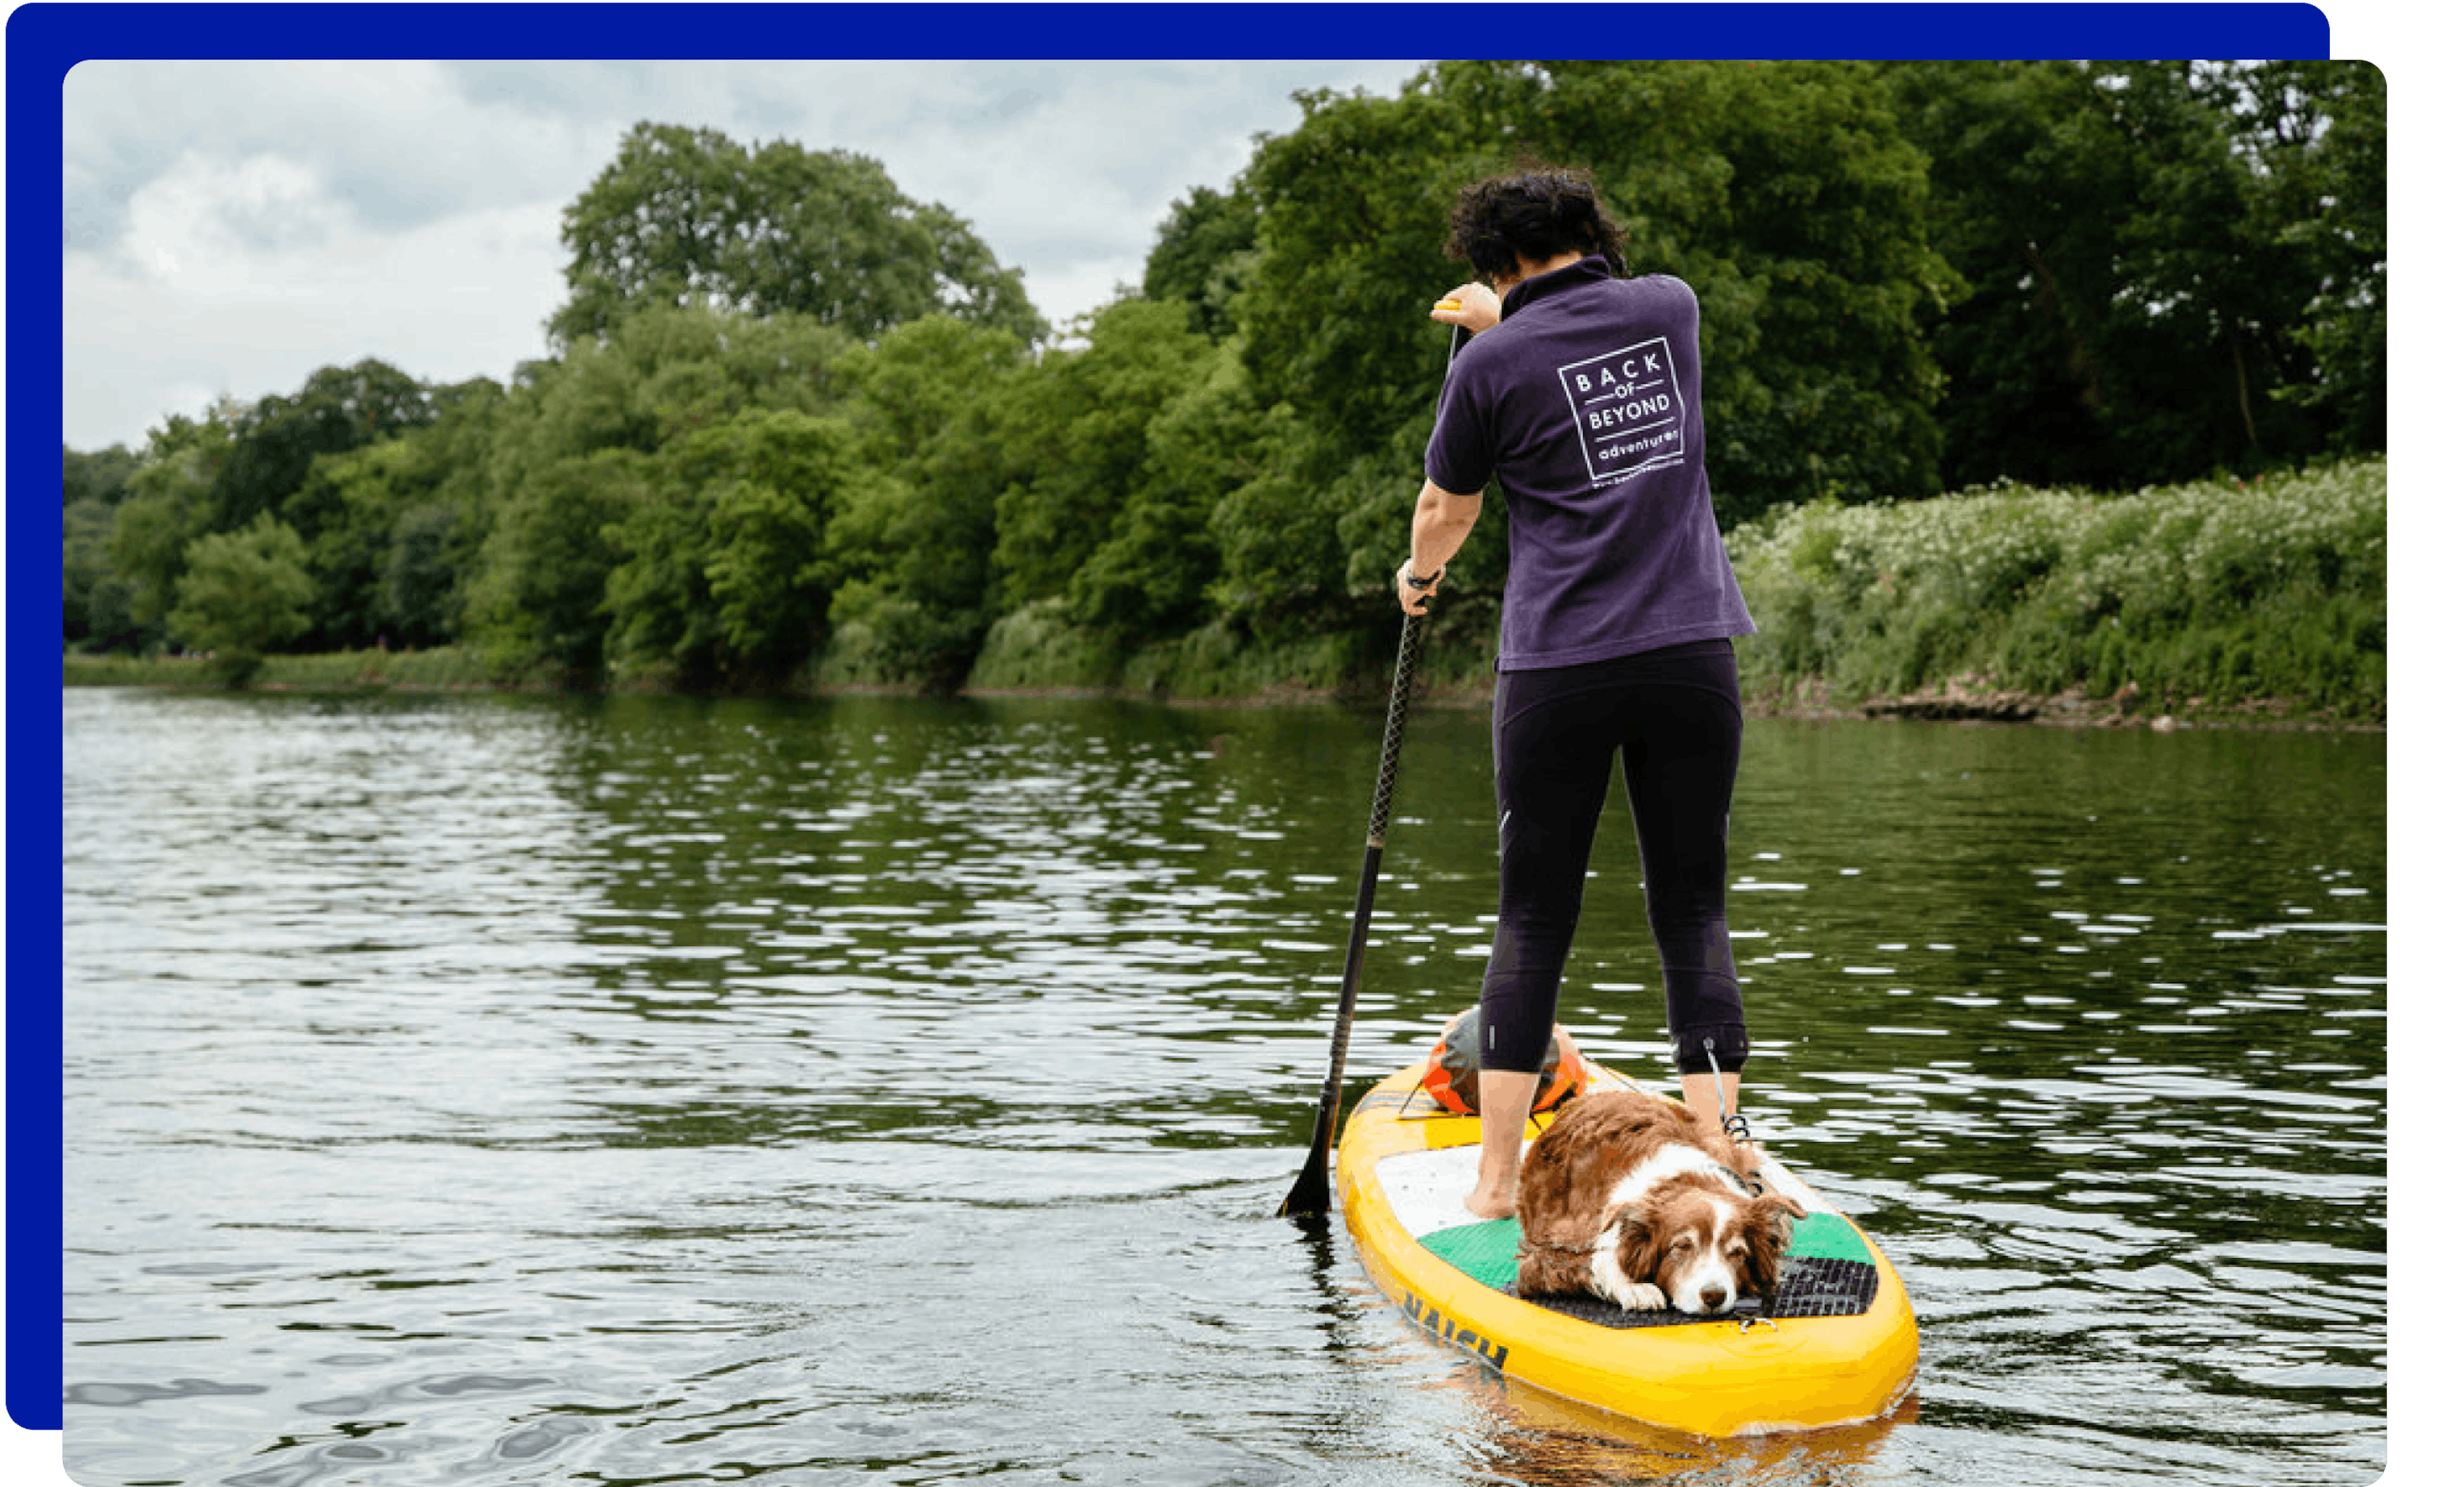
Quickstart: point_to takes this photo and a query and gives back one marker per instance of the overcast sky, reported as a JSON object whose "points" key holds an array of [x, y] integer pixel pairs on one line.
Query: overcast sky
{"points": [[232, 226]]}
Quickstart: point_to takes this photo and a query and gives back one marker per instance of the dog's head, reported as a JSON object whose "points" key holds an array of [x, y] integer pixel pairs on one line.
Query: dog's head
{"points": [[1704, 1244]]}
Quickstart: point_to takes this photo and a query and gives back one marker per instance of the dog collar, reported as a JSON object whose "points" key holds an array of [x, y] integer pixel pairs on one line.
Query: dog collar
{"points": [[1748, 1187]]}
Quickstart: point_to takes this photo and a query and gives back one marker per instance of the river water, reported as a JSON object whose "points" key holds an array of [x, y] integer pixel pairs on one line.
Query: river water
{"points": [[487, 1089]]}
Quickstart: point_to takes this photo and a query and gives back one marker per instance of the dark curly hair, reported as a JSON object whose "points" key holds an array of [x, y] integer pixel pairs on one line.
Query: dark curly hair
{"points": [[1535, 214]]}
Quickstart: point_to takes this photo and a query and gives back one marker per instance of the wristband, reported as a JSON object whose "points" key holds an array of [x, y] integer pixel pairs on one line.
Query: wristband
{"points": [[1421, 584]]}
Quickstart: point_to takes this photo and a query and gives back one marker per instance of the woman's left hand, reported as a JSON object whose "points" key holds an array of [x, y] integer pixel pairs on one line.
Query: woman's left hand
{"points": [[1475, 308]]}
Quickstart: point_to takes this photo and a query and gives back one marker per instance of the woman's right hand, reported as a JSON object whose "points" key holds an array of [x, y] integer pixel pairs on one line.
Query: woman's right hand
{"points": [[1473, 306], [1416, 597]]}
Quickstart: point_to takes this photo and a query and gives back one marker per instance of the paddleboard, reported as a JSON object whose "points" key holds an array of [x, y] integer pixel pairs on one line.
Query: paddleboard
{"points": [[1836, 1345]]}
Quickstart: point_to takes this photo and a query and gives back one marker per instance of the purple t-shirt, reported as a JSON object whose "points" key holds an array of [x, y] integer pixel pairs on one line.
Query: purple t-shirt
{"points": [[1585, 405]]}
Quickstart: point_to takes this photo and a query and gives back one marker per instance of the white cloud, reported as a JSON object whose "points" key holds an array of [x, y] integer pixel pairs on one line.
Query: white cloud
{"points": [[235, 226], [244, 278], [398, 142]]}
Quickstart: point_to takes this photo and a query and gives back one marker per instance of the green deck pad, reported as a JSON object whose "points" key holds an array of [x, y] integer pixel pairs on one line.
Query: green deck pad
{"points": [[1486, 1251], [1482, 1251], [1828, 1236]]}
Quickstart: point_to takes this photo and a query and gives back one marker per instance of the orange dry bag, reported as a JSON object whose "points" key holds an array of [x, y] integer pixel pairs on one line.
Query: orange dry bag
{"points": [[1453, 1078]]}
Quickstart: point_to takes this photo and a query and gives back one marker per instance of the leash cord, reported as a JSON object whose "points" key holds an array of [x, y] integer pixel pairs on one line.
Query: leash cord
{"points": [[1733, 1126]]}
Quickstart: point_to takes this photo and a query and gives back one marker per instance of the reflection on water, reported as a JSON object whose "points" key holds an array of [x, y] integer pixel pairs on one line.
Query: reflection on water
{"points": [[470, 1090]]}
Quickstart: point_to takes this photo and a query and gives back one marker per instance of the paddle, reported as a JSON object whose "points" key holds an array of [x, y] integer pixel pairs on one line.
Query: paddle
{"points": [[1309, 1192]]}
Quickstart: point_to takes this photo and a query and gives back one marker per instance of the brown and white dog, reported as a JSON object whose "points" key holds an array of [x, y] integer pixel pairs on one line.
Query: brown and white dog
{"points": [[1628, 1199]]}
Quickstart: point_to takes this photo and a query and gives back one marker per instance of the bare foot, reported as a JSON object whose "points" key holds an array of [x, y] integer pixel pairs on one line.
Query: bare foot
{"points": [[1488, 1202], [1505, 1108]]}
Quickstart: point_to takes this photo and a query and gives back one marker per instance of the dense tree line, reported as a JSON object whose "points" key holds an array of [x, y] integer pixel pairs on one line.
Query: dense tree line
{"points": [[789, 413]]}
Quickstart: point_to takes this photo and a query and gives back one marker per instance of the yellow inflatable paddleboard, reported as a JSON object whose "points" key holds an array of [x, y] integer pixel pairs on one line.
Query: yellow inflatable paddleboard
{"points": [[1836, 1345]]}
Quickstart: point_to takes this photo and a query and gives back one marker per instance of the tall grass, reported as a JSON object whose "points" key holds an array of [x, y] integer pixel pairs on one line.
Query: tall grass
{"points": [[2194, 599], [1036, 647]]}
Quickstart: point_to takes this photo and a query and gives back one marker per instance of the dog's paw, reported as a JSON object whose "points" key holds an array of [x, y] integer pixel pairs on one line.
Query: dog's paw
{"points": [[1634, 1296]]}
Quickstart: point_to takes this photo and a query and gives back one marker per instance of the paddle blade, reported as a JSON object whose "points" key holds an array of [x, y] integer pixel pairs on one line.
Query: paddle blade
{"points": [[1309, 1194]]}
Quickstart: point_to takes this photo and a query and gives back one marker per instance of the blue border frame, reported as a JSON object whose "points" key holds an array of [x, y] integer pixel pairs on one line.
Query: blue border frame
{"points": [[46, 40]]}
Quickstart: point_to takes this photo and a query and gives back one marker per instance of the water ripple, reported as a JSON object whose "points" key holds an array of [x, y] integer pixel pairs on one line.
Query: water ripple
{"points": [[474, 1090]]}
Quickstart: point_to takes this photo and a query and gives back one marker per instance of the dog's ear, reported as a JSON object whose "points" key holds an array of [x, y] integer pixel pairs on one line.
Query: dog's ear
{"points": [[1638, 1238], [1771, 1223], [1630, 1215], [1779, 1213]]}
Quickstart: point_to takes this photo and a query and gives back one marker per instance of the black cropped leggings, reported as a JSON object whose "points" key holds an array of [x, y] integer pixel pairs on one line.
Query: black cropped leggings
{"points": [[1674, 717]]}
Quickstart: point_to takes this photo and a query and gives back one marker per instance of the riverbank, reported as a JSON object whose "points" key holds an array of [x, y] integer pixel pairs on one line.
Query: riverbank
{"points": [[2220, 601], [2257, 604], [446, 669], [1966, 700]]}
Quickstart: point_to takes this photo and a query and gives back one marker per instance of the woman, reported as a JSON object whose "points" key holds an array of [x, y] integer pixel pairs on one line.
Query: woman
{"points": [[1579, 394]]}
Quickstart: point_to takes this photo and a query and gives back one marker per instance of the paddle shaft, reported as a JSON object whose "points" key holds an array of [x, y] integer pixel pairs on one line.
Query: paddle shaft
{"points": [[1309, 1192]]}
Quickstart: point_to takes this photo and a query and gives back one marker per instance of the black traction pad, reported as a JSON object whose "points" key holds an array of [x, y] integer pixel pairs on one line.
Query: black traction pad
{"points": [[1807, 1288]]}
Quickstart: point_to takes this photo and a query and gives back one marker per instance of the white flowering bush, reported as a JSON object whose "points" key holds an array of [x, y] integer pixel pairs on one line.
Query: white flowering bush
{"points": [[2209, 594]]}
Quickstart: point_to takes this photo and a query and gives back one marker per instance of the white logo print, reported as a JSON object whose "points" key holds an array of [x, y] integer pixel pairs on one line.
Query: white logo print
{"points": [[1627, 409]]}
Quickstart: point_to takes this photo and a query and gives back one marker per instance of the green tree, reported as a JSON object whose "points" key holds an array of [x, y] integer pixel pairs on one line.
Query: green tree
{"points": [[418, 591], [358, 496], [1816, 277], [94, 599], [2201, 327], [1340, 360], [2313, 135], [2025, 179], [933, 411], [276, 439], [1089, 413], [168, 504], [2171, 268], [100, 476], [1353, 208], [428, 487], [1203, 256], [239, 461], [244, 593], [580, 459], [540, 595], [1280, 563], [723, 574], [1155, 571], [689, 218], [575, 454], [908, 393], [665, 371]]}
